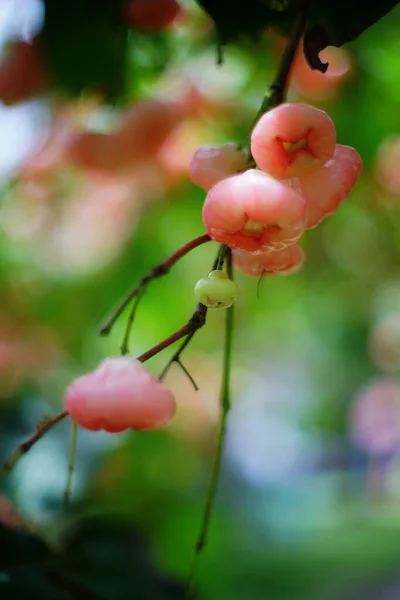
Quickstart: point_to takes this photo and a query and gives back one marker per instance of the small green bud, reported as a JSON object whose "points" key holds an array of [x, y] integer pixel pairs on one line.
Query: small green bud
{"points": [[216, 290]]}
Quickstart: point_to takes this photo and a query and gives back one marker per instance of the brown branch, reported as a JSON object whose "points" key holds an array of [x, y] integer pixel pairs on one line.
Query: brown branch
{"points": [[23, 448], [197, 321], [279, 86], [158, 271], [175, 358]]}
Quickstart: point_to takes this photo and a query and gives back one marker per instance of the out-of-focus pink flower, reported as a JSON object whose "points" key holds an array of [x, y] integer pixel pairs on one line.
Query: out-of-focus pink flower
{"points": [[374, 418], [384, 343]]}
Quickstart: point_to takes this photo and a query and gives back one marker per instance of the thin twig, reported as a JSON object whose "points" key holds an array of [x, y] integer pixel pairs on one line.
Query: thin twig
{"points": [[196, 321], [129, 325], [158, 271], [225, 406], [23, 448], [175, 358], [71, 465], [188, 374]]}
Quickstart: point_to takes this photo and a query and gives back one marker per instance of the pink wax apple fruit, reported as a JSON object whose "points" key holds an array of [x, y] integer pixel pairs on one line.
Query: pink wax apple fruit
{"points": [[254, 212], [325, 188], [291, 139], [213, 162], [151, 15], [22, 74], [282, 262], [119, 395]]}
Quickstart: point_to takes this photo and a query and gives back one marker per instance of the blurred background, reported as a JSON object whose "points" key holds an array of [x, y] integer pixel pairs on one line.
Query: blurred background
{"points": [[308, 506]]}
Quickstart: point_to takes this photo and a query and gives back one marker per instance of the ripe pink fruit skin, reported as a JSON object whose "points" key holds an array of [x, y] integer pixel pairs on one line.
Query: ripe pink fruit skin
{"points": [[325, 188], [212, 163], [120, 394], [375, 417], [144, 128], [321, 86], [286, 261], [151, 15], [292, 123], [21, 74], [95, 151], [254, 212]]}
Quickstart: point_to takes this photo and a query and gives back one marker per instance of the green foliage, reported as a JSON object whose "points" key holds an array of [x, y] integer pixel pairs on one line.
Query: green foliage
{"points": [[85, 46], [102, 559], [330, 23]]}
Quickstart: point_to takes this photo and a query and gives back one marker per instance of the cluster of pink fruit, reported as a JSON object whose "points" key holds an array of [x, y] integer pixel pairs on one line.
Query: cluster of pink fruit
{"points": [[261, 214]]}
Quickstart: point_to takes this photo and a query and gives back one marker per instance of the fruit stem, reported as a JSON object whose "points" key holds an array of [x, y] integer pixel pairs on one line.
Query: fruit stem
{"points": [[196, 321], [158, 271], [23, 448], [225, 404], [277, 90]]}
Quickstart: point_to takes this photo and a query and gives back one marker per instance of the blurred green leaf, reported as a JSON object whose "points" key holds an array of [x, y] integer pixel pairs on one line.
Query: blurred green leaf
{"points": [[85, 46]]}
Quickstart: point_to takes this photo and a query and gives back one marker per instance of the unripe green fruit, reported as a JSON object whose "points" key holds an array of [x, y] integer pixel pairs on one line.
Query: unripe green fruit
{"points": [[216, 290]]}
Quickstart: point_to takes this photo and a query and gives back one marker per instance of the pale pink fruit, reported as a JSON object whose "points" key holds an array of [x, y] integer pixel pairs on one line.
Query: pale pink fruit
{"points": [[282, 262], [49, 156], [291, 139], [388, 165], [324, 189], [95, 151], [151, 15], [375, 417], [120, 394], [144, 128], [212, 163], [384, 343], [254, 212], [313, 84], [21, 73]]}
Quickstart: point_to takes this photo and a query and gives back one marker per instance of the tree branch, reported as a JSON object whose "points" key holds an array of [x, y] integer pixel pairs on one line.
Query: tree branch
{"points": [[196, 321], [158, 271], [277, 90], [23, 448]]}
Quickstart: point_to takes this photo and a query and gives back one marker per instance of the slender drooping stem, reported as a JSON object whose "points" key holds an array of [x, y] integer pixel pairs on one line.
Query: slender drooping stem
{"points": [[224, 408], [158, 271], [71, 465], [23, 448]]}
